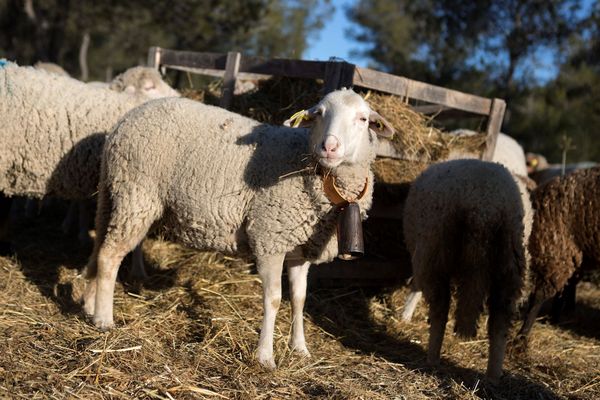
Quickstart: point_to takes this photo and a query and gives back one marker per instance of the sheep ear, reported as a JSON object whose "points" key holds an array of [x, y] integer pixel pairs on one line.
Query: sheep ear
{"points": [[379, 126], [302, 119]]}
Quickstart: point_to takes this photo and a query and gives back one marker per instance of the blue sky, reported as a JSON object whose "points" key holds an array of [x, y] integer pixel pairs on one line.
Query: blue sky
{"points": [[333, 40]]}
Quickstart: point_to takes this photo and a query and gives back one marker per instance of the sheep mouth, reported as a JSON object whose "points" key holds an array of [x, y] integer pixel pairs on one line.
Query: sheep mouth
{"points": [[330, 162]]}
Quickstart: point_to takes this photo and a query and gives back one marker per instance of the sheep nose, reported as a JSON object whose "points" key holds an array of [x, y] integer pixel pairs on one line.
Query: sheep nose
{"points": [[331, 144]]}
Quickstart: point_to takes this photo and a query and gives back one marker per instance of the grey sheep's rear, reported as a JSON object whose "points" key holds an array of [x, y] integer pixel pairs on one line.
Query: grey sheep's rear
{"points": [[466, 224]]}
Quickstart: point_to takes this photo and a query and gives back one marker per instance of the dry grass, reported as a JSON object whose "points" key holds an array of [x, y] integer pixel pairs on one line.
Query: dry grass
{"points": [[191, 333]]}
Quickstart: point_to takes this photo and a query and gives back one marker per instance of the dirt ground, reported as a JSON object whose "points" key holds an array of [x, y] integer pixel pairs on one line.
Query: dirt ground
{"points": [[190, 333]]}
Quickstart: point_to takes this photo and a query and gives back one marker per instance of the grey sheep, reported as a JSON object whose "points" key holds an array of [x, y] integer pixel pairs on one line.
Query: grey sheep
{"points": [[466, 223], [217, 180]]}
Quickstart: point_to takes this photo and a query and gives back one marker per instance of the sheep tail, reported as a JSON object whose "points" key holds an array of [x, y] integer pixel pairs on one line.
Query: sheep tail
{"points": [[472, 283]]}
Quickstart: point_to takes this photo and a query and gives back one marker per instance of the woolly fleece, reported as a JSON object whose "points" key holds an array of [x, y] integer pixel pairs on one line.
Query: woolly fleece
{"points": [[52, 130], [566, 233]]}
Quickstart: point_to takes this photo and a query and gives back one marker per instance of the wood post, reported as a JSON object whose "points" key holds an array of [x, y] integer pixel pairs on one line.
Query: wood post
{"points": [[494, 124], [154, 57], [232, 68], [338, 74]]}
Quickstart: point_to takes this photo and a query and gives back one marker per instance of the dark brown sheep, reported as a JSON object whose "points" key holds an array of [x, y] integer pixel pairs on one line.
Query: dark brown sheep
{"points": [[565, 237], [466, 223]]}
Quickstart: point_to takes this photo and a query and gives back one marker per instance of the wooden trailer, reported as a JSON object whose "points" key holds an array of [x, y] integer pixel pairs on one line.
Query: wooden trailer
{"points": [[433, 99]]}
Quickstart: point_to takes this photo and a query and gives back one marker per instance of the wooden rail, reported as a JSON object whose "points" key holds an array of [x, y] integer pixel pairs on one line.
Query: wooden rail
{"points": [[336, 74]]}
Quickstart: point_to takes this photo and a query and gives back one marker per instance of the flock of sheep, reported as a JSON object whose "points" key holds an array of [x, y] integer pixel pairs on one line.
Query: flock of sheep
{"points": [[213, 179]]}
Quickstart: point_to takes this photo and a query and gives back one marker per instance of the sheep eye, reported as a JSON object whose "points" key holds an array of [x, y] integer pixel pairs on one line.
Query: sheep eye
{"points": [[363, 119]]}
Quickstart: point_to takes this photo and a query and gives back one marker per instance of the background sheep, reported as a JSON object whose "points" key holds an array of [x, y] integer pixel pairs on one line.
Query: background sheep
{"points": [[220, 181], [53, 130], [507, 152], [565, 235], [541, 171], [466, 223], [51, 67], [137, 81]]}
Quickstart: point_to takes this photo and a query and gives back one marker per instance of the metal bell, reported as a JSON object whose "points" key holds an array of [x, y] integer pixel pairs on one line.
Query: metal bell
{"points": [[349, 233]]}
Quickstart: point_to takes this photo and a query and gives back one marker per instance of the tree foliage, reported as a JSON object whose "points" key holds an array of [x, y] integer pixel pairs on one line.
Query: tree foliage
{"points": [[122, 31], [491, 47]]}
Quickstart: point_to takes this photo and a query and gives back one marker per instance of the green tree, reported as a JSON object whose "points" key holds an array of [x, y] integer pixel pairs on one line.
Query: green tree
{"points": [[120, 32], [453, 42]]}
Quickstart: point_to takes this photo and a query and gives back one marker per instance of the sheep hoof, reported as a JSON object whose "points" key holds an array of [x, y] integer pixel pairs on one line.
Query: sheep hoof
{"points": [[494, 378], [300, 349], [433, 361], [103, 325], [266, 360]]}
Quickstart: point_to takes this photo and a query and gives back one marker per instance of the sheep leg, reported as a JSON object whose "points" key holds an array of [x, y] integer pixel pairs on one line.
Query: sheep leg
{"points": [[85, 218], [138, 270], [101, 226], [413, 299], [438, 298], [32, 208], [69, 221], [269, 269], [297, 274], [5, 208], [498, 325], [535, 304], [111, 247], [501, 304], [566, 299]]}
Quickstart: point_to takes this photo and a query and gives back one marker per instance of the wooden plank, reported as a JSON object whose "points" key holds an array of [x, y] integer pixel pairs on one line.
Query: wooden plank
{"points": [[338, 74], [367, 271], [217, 73], [231, 70], [493, 128], [284, 67], [154, 57], [249, 64], [193, 59], [333, 70], [401, 86], [430, 109]]}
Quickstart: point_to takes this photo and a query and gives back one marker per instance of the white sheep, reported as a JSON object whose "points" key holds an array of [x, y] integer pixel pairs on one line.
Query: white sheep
{"points": [[53, 130], [466, 223], [218, 180], [507, 152]]}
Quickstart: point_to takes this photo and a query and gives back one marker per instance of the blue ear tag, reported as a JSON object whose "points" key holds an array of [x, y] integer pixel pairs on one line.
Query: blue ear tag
{"points": [[3, 63]]}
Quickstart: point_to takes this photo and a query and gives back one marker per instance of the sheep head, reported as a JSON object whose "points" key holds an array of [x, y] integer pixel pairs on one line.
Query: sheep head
{"points": [[343, 129]]}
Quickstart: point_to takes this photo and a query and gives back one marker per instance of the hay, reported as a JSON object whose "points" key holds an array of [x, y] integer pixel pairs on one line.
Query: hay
{"points": [[191, 332]]}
